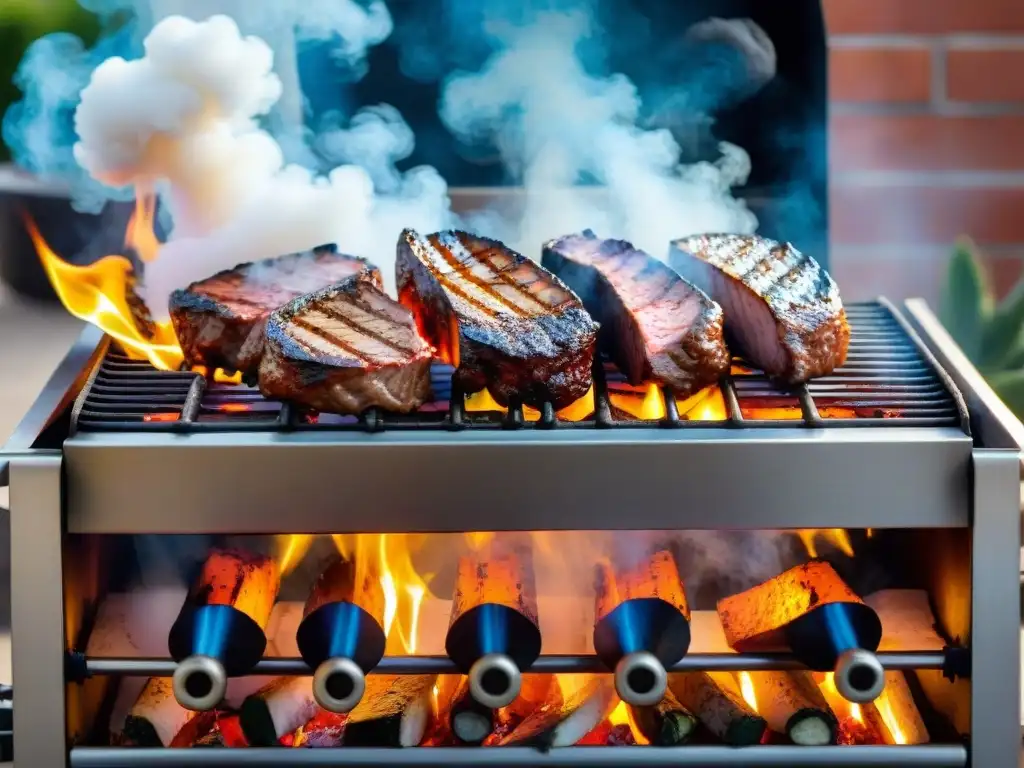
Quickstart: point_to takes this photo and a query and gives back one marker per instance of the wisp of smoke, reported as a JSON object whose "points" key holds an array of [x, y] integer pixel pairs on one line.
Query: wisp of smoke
{"points": [[183, 119], [55, 69], [556, 126]]}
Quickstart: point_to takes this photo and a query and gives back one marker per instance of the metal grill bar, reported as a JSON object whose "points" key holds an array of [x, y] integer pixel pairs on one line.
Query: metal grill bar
{"points": [[442, 665], [889, 379], [926, 756]]}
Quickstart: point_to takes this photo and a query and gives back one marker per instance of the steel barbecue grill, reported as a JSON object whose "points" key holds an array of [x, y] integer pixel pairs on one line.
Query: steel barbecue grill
{"points": [[906, 439]]}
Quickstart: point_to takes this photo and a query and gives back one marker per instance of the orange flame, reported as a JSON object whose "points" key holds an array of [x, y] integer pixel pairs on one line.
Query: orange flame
{"points": [[403, 588], [706, 405], [646, 403], [838, 537], [484, 402], [889, 718], [291, 549], [747, 689], [100, 292]]}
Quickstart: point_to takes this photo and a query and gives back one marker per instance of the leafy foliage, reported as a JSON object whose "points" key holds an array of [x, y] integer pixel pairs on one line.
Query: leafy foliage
{"points": [[989, 334]]}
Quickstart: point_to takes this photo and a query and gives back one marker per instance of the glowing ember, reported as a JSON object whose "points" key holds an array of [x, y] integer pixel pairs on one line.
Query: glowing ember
{"points": [[837, 537], [232, 408], [161, 417], [100, 294], [622, 715], [747, 689]]}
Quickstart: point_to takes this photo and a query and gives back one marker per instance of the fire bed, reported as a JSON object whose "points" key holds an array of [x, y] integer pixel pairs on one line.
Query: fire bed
{"points": [[114, 449]]}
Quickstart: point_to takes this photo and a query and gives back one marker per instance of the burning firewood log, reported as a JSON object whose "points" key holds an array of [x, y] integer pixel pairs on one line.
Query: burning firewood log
{"points": [[470, 722], [493, 632], [394, 712], [793, 705], [226, 731], [811, 610], [717, 702], [665, 724], [608, 735], [562, 722], [324, 730], [899, 713], [642, 623], [157, 719], [220, 629], [277, 709], [341, 635]]}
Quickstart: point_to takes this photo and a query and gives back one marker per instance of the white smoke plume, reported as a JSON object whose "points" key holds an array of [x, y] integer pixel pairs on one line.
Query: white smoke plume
{"points": [[556, 125], [183, 119]]}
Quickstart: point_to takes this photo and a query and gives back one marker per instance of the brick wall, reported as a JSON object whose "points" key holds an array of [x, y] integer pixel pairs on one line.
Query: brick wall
{"points": [[927, 122]]}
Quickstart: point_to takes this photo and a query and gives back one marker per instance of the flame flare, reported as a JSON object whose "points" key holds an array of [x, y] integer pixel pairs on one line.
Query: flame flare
{"points": [[747, 689], [101, 294], [837, 537]]}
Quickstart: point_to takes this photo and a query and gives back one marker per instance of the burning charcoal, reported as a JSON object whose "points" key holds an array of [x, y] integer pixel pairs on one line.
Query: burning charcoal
{"points": [[792, 704], [344, 349], [226, 732], [341, 635], [782, 311], [394, 712], [665, 724], [812, 611], [493, 632], [219, 321], [474, 723], [325, 730], [277, 709], [502, 320], [562, 722], [157, 719], [220, 629], [642, 623], [654, 324], [717, 702]]}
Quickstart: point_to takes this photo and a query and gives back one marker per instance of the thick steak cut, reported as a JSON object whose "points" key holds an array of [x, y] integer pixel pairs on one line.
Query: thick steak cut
{"points": [[654, 324], [502, 320], [219, 321], [783, 313], [344, 349]]}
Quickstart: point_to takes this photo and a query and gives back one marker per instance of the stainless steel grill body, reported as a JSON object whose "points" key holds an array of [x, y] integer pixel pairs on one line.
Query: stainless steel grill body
{"points": [[87, 461]]}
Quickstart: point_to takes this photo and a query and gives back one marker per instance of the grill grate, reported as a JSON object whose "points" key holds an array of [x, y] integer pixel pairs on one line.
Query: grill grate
{"points": [[889, 379]]}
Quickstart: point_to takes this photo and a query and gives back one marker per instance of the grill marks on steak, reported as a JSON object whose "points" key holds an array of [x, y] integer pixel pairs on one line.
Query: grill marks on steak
{"points": [[654, 324], [219, 321], [502, 320], [344, 349], [783, 312]]}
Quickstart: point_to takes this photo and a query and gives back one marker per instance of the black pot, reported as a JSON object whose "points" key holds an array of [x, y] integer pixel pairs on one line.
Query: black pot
{"points": [[78, 238]]}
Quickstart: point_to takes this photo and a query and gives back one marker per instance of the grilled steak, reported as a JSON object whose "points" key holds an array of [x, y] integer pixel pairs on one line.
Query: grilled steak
{"points": [[344, 349], [782, 311], [219, 321], [502, 320], [654, 324]]}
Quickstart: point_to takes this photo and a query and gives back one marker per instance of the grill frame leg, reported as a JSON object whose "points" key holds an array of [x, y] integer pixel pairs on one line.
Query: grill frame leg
{"points": [[995, 610], [37, 613]]}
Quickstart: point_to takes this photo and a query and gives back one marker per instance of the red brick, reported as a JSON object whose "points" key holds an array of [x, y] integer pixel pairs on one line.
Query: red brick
{"points": [[927, 143], [880, 74], [926, 17], [985, 75], [913, 214]]}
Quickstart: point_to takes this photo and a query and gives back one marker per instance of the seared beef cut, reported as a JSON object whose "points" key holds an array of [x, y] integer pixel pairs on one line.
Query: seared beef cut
{"points": [[502, 320], [782, 310], [344, 349], [654, 324], [219, 321]]}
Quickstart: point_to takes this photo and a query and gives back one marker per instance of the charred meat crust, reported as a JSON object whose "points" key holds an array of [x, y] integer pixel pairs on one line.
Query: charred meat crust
{"points": [[357, 368], [810, 321], [220, 324], [654, 324], [502, 320]]}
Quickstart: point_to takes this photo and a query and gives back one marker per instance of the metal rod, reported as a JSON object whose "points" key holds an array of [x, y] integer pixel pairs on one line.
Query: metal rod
{"points": [[927, 756], [417, 665]]}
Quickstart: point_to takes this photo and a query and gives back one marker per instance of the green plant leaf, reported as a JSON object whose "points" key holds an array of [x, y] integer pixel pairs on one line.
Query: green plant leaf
{"points": [[1002, 333], [1014, 359], [966, 300], [1009, 385]]}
